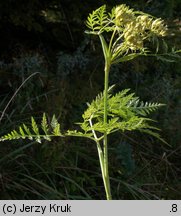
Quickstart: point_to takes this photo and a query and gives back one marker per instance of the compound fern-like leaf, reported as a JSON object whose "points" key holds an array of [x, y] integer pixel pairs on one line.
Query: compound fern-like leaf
{"points": [[33, 132], [125, 113], [98, 21], [142, 108]]}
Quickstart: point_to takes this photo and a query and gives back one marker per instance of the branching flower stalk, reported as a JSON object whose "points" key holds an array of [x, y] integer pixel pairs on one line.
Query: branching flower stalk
{"points": [[122, 34]]}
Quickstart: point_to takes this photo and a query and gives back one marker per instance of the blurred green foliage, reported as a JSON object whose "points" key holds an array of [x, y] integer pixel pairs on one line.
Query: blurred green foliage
{"points": [[47, 36]]}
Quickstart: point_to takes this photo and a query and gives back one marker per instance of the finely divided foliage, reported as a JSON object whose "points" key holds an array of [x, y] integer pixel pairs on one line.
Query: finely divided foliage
{"points": [[33, 132], [98, 20], [125, 113]]}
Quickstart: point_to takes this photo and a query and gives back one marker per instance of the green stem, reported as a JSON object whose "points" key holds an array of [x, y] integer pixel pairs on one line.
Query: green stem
{"points": [[107, 57], [101, 160], [106, 169], [111, 41], [101, 157]]}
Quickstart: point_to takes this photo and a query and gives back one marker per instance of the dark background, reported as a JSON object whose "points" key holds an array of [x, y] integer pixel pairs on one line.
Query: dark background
{"points": [[47, 36]]}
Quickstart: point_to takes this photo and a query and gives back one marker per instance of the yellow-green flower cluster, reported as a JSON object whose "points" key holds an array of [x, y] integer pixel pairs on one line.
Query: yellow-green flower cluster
{"points": [[133, 38], [123, 15], [158, 27], [136, 28]]}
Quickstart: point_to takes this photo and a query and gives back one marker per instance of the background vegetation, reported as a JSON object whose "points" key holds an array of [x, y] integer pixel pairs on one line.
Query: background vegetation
{"points": [[47, 36]]}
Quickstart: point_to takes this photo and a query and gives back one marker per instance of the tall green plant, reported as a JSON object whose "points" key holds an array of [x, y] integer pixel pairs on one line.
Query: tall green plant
{"points": [[122, 34], [128, 30]]}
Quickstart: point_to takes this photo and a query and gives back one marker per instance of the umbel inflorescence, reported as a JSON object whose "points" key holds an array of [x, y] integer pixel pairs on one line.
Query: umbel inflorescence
{"points": [[135, 27], [130, 28]]}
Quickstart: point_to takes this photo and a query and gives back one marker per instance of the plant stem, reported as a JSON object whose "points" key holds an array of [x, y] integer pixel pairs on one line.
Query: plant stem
{"points": [[111, 41], [101, 161], [101, 157], [107, 57], [106, 170]]}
